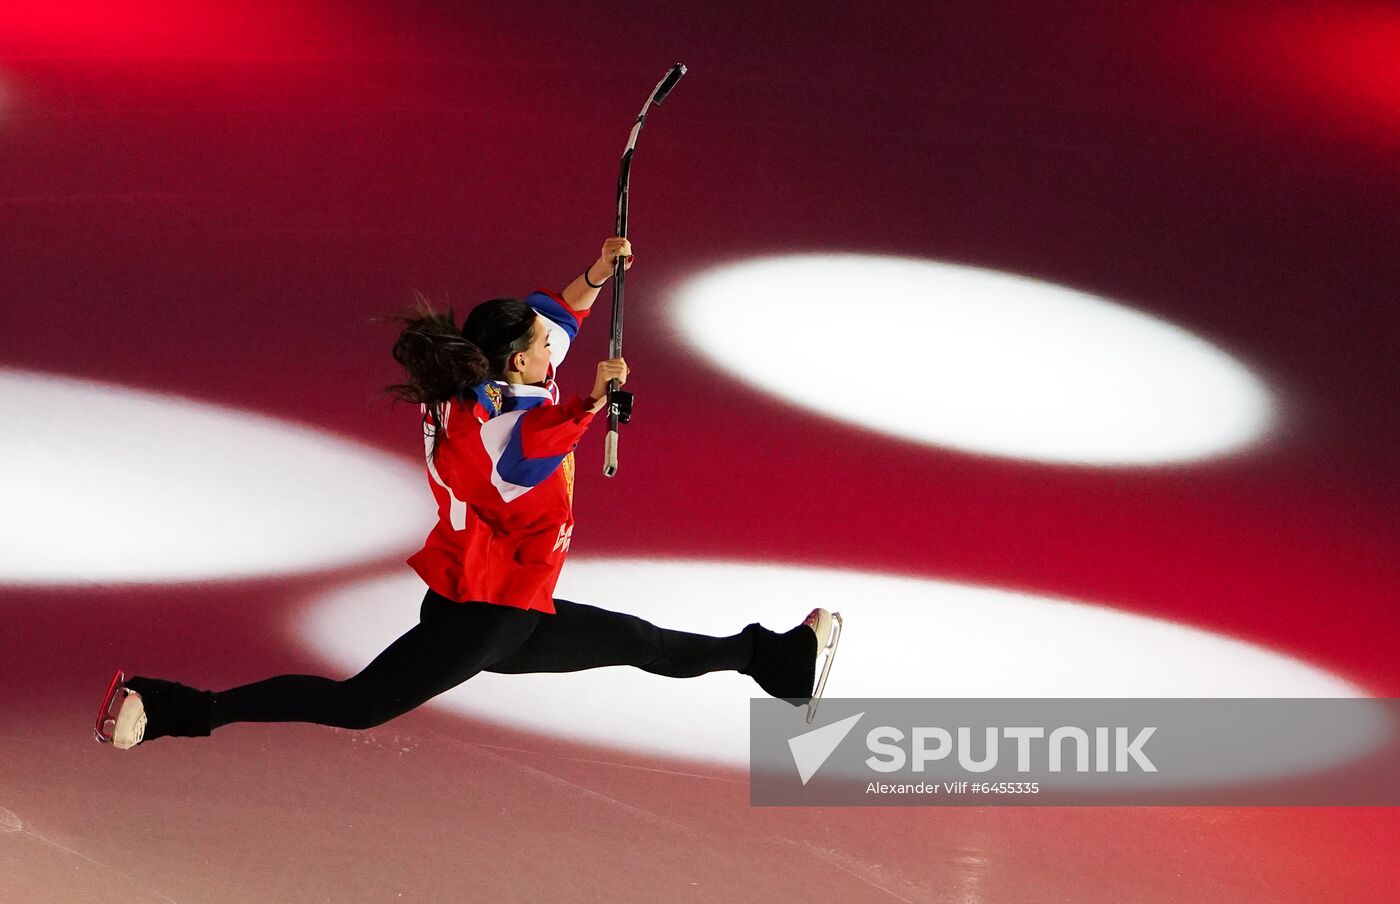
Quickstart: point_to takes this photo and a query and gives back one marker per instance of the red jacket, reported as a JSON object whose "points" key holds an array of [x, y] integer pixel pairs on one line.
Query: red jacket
{"points": [[503, 478]]}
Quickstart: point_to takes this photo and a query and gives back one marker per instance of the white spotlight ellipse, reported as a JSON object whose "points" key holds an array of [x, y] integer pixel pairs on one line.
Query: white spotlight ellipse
{"points": [[106, 484], [905, 637], [973, 359]]}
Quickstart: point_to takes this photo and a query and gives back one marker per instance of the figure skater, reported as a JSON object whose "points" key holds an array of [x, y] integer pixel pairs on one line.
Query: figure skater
{"points": [[499, 451]]}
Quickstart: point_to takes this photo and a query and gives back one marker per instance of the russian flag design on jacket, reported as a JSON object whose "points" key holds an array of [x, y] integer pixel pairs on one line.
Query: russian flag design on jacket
{"points": [[503, 481]]}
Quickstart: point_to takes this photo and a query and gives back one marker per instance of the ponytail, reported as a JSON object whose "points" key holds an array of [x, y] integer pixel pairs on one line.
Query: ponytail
{"points": [[440, 362]]}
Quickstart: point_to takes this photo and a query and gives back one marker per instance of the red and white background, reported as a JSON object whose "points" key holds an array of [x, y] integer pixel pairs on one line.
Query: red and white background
{"points": [[1055, 348]]}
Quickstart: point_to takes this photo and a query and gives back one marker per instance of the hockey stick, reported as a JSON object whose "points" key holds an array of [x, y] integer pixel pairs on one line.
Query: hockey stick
{"points": [[620, 402]]}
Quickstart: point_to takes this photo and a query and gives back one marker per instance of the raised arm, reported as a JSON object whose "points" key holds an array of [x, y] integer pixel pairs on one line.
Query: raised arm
{"points": [[582, 292]]}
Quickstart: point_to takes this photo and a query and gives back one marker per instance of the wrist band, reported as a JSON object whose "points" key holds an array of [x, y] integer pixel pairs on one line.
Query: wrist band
{"points": [[590, 282]]}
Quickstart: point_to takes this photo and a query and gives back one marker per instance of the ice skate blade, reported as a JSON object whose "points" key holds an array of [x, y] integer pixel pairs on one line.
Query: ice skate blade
{"points": [[107, 712], [830, 652]]}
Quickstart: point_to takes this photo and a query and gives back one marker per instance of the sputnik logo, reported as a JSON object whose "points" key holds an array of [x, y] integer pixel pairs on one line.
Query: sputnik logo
{"points": [[811, 750]]}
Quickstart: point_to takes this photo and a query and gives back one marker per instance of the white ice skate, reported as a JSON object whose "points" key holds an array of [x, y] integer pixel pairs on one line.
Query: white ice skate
{"points": [[827, 626], [121, 720]]}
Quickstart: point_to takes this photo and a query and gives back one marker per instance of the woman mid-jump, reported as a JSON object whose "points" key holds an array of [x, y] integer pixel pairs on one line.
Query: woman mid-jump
{"points": [[499, 450]]}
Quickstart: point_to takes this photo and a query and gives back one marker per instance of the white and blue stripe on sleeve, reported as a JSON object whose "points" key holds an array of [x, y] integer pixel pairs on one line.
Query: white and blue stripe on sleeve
{"points": [[512, 473], [563, 324]]}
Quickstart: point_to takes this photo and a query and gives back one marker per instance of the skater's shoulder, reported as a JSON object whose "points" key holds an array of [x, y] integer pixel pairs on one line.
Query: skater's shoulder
{"points": [[492, 398], [487, 399]]}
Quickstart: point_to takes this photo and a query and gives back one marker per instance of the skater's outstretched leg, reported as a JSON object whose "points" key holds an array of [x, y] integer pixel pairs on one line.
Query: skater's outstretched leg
{"points": [[580, 636], [451, 643]]}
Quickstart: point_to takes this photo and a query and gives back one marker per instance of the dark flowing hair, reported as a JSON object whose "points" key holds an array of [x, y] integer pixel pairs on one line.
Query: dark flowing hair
{"points": [[441, 362]]}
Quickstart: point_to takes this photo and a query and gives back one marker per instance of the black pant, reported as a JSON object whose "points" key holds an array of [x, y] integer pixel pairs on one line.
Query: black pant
{"points": [[453, 641]]}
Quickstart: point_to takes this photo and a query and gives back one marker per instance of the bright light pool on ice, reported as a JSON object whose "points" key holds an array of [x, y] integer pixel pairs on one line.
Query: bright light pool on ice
{"points": [[107, 484], [905, 637], [973, 359]]}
